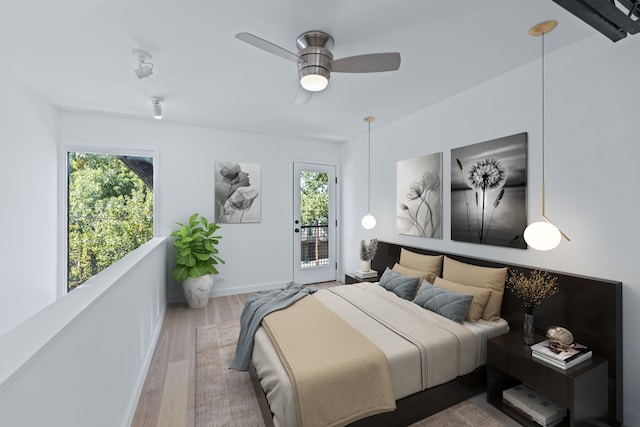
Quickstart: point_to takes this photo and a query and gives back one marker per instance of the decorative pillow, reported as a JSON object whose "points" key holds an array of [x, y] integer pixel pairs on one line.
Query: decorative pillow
{"points": [[403, 286], [483, 277], [480, 296], [448, 304], [422, 275], [426, 263]]}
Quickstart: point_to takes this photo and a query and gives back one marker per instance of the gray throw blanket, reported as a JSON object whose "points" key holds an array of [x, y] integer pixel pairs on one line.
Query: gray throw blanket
{"points": [[255, 308]]}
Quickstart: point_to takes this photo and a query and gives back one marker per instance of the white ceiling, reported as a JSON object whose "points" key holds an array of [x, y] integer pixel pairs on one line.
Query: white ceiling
{"points": [[76, 54]]}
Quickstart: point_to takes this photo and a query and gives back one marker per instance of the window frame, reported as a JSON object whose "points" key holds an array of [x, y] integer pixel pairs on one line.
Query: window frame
{"points": [[63, 190]]}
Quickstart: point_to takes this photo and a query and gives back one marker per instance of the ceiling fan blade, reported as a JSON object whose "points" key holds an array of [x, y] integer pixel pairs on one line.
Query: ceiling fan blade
{"points": [[371, 63], [302, 96], [267, 46]]}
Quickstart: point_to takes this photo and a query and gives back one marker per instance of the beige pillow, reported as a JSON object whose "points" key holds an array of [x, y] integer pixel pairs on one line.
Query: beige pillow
{"points": [[420, 262], [480, 296], [483, 277], [406, 271], [410, 272]]}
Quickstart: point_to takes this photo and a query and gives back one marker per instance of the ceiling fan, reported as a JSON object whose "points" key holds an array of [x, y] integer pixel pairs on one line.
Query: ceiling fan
{"points": [[315, 60]]}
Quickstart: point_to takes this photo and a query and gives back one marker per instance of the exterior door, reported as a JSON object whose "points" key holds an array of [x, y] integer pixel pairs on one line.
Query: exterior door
{"points": [[314, 223]]}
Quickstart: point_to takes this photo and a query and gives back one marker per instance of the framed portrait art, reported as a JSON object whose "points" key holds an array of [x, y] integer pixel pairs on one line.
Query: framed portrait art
{"points": [[237, 193]]}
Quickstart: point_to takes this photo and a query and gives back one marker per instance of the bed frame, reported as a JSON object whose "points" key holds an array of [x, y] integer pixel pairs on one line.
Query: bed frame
{"points": [[590, 308]]}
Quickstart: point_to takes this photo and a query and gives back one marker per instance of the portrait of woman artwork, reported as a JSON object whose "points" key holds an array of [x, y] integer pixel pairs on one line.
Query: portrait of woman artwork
{"points": [[237, 192]]}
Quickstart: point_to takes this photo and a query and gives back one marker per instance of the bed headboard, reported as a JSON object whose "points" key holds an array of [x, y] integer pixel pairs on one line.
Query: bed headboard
{"points": [[590, 308]]}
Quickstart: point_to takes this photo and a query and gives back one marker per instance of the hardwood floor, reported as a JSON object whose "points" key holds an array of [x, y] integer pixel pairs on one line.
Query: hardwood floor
{"points": [[168, 394]]}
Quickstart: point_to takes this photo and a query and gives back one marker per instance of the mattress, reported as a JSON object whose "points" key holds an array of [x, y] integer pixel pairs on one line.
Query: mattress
{"points": [[410, 351]]}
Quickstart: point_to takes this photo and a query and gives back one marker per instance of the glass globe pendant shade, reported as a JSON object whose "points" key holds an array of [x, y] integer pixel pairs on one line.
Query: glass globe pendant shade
{"points": [[542, 235], [368, 221]]}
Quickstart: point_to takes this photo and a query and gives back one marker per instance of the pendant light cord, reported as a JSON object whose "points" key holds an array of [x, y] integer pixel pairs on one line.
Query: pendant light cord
{"points": [[543, 116], [369, 173]]}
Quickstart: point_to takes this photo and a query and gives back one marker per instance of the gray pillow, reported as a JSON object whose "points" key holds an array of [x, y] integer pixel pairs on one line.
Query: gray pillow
{"points": [[448, 304], [403, 286]]}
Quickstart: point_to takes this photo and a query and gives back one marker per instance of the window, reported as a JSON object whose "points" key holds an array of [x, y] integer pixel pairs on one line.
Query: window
{"points": [[109, 211]]}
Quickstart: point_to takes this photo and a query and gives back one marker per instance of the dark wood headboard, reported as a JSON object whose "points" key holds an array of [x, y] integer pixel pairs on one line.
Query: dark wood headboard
{"points": [[590, 308]]}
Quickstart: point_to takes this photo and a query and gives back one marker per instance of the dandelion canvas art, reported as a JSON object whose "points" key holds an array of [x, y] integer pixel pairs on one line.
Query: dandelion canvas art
{"points": [[237, 192], [489, 192], [419, 196]]}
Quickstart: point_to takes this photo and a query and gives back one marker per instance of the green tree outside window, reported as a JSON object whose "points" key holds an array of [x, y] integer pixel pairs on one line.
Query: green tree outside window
{"points": [[110, 212]]}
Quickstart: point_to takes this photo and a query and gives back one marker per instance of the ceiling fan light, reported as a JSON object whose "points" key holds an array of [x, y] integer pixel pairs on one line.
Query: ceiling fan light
{"points": [[314, 82], [368, 221], [542, 235]]}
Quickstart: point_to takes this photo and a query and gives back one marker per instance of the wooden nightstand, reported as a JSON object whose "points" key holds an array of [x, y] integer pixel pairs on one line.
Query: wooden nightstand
{"points": [[581, 389], [351, 278]]}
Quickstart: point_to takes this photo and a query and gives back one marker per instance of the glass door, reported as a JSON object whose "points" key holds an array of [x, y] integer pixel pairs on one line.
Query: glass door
{"points": [[314, 223]]}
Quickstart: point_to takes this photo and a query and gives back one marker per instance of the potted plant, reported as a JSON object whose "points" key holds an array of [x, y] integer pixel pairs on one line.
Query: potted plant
{"points": [[196, 258], [367, 252]]}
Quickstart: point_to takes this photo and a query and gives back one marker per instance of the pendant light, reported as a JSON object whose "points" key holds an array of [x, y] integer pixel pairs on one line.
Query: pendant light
{"points": [[543, 235], [368, 221]]}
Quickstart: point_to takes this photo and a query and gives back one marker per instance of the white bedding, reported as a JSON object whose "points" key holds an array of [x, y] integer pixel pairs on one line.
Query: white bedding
{"points": [[406, 354]]}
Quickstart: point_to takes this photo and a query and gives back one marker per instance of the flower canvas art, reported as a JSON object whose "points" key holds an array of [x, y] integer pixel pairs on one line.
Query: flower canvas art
{"points": [[237, 192], [419, 196], [489, 192]]}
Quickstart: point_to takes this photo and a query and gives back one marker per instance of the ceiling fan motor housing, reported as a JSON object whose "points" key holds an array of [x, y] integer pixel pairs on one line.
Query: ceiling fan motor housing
{"points": [[315, 60], [315, 54]]}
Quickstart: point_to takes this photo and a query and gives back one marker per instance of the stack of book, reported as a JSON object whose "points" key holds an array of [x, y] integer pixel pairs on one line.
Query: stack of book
{"points": [[559, 357], [366, 274], [533, 405]]}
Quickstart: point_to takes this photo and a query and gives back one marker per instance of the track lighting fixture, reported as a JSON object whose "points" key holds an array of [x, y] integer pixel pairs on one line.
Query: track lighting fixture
{"points": [[145, 68], [157, 108]]}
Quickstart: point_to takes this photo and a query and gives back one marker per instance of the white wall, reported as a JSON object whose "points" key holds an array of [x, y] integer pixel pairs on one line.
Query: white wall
{"points": [[257, 255], [82, 361], [28, 204], [591, 173]]}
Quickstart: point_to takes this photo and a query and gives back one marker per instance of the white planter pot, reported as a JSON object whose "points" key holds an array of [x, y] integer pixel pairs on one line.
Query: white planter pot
{"points": [[196, 290], [365, 266]]}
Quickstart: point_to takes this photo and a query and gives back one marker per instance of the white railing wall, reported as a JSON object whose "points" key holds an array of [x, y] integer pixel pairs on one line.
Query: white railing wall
{"points": [[82, 360]]}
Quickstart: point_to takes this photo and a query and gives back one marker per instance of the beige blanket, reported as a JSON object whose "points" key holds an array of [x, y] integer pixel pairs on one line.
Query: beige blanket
{"points": [[412, 364], [332, 366], [447, 349]]}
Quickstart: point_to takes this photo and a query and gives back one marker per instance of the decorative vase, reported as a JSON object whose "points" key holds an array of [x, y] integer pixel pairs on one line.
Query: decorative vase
{"points": [[529, 331], [196, 290], [365, 265]]}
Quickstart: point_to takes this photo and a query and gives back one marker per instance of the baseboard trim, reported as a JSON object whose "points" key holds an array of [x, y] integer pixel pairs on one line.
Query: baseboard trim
{"points": [[146, 364], [219, 291]]}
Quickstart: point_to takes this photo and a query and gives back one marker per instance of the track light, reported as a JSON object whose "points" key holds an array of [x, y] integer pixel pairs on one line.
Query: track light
{"points": [[157, 108], [145, 68]]}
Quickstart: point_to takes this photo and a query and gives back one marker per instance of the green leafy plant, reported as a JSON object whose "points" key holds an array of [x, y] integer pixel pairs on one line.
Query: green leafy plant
{"points": [[195, 246]]}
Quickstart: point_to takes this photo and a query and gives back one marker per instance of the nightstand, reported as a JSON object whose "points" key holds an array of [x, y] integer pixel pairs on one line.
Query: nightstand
{"points": [[351, 278], [581, 389]]}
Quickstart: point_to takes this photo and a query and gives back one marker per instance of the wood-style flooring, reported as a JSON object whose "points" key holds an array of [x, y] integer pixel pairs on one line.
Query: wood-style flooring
{"points": [[168, 395]]}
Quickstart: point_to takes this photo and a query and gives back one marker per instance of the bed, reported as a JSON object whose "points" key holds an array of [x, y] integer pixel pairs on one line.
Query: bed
{"points": [[420, 386]]}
